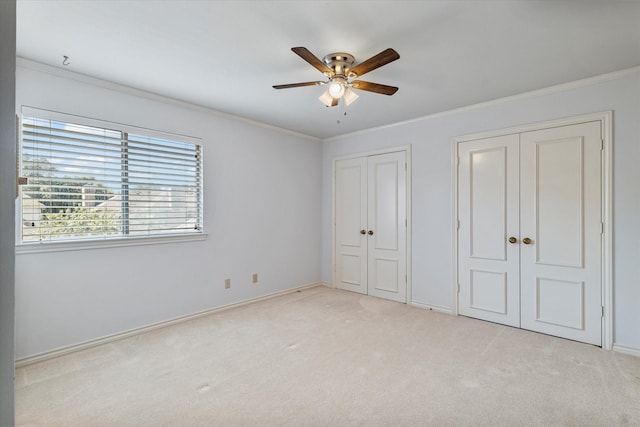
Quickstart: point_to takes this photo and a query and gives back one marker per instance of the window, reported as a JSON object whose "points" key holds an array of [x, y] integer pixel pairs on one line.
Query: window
{"points": [[87, 182]]}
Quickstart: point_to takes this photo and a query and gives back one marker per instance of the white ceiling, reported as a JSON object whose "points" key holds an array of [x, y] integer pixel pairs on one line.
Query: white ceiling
{"points": [[226, 55]]}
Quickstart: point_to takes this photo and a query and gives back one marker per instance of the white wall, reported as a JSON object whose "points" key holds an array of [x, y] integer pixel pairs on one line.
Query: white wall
{"points": [[432, 138], [7, 194], [262, 212]]}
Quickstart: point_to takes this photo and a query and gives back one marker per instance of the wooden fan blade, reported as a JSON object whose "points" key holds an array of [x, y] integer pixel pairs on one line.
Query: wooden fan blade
{"points": [[290, 85], [374, 87], [377, 61], [305, 54]]}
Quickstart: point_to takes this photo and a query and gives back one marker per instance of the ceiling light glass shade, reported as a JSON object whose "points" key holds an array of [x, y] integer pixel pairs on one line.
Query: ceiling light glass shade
{"points": [[336, 87], [349, 96], [326, 98]]}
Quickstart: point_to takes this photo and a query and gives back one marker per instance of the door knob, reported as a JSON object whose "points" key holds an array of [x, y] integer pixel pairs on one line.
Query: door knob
{"points": [[370, 232], [363, 232], [513, 240], [526, 240]]}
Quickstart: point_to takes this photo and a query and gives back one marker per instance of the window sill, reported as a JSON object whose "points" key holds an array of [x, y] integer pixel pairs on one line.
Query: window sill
{"points": [[38, 247]]}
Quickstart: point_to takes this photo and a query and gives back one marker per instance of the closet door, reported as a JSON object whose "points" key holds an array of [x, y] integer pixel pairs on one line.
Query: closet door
{"points": [[561, 271], [387, 227], [530, 233], [350, 206], [488, 262], [371, 225]]}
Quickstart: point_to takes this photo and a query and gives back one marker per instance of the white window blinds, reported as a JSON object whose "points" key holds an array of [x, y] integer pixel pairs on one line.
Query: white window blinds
{"points": [[88, 182]]}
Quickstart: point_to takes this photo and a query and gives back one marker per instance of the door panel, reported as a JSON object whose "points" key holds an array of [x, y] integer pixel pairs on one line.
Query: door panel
{"points": [[560, 303], [351, 217], [488, 270], [561, 272], [488, 291], [560, 202], [351, 269], [387, 220], [383, 199], [386, 273], [488, 172]]}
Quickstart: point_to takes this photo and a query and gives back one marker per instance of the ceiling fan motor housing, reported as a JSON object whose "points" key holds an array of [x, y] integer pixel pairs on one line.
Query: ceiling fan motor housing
{"points": [[340, 63]]}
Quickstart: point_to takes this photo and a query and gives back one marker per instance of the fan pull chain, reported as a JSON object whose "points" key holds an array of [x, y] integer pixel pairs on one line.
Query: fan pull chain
{"points": [[341, 106]]}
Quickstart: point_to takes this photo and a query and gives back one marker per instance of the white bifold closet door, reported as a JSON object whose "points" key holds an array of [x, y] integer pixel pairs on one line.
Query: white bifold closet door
{"points": [[530, 233], [371, 225]]}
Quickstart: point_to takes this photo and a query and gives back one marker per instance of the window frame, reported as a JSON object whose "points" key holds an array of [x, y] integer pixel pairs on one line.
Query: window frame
{"points": [[101, 241]]}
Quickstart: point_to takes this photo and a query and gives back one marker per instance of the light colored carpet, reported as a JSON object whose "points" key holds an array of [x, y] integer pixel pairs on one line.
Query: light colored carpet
{"points": [[324, 357]]}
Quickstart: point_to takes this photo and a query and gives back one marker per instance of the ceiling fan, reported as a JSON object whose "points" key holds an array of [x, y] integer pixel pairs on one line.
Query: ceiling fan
{"points": [[339, 69]]}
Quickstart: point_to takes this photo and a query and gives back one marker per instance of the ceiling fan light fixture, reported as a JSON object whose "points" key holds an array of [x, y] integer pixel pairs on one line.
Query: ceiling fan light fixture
{"points": [[350, 96], [326, 98], [337, 87]]}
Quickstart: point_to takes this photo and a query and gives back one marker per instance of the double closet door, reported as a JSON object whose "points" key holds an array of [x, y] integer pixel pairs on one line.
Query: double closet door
{"points": [[530, 230], [370, 203]]}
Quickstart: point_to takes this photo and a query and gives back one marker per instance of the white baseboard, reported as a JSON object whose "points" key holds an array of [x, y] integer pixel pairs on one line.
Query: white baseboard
{"points": [[431, 307], [28, 360], [626, 350]]}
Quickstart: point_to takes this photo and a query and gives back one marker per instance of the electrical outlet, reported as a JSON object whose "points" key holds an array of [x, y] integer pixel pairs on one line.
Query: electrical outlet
{"points": [[255, 278], [227, 283]]}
